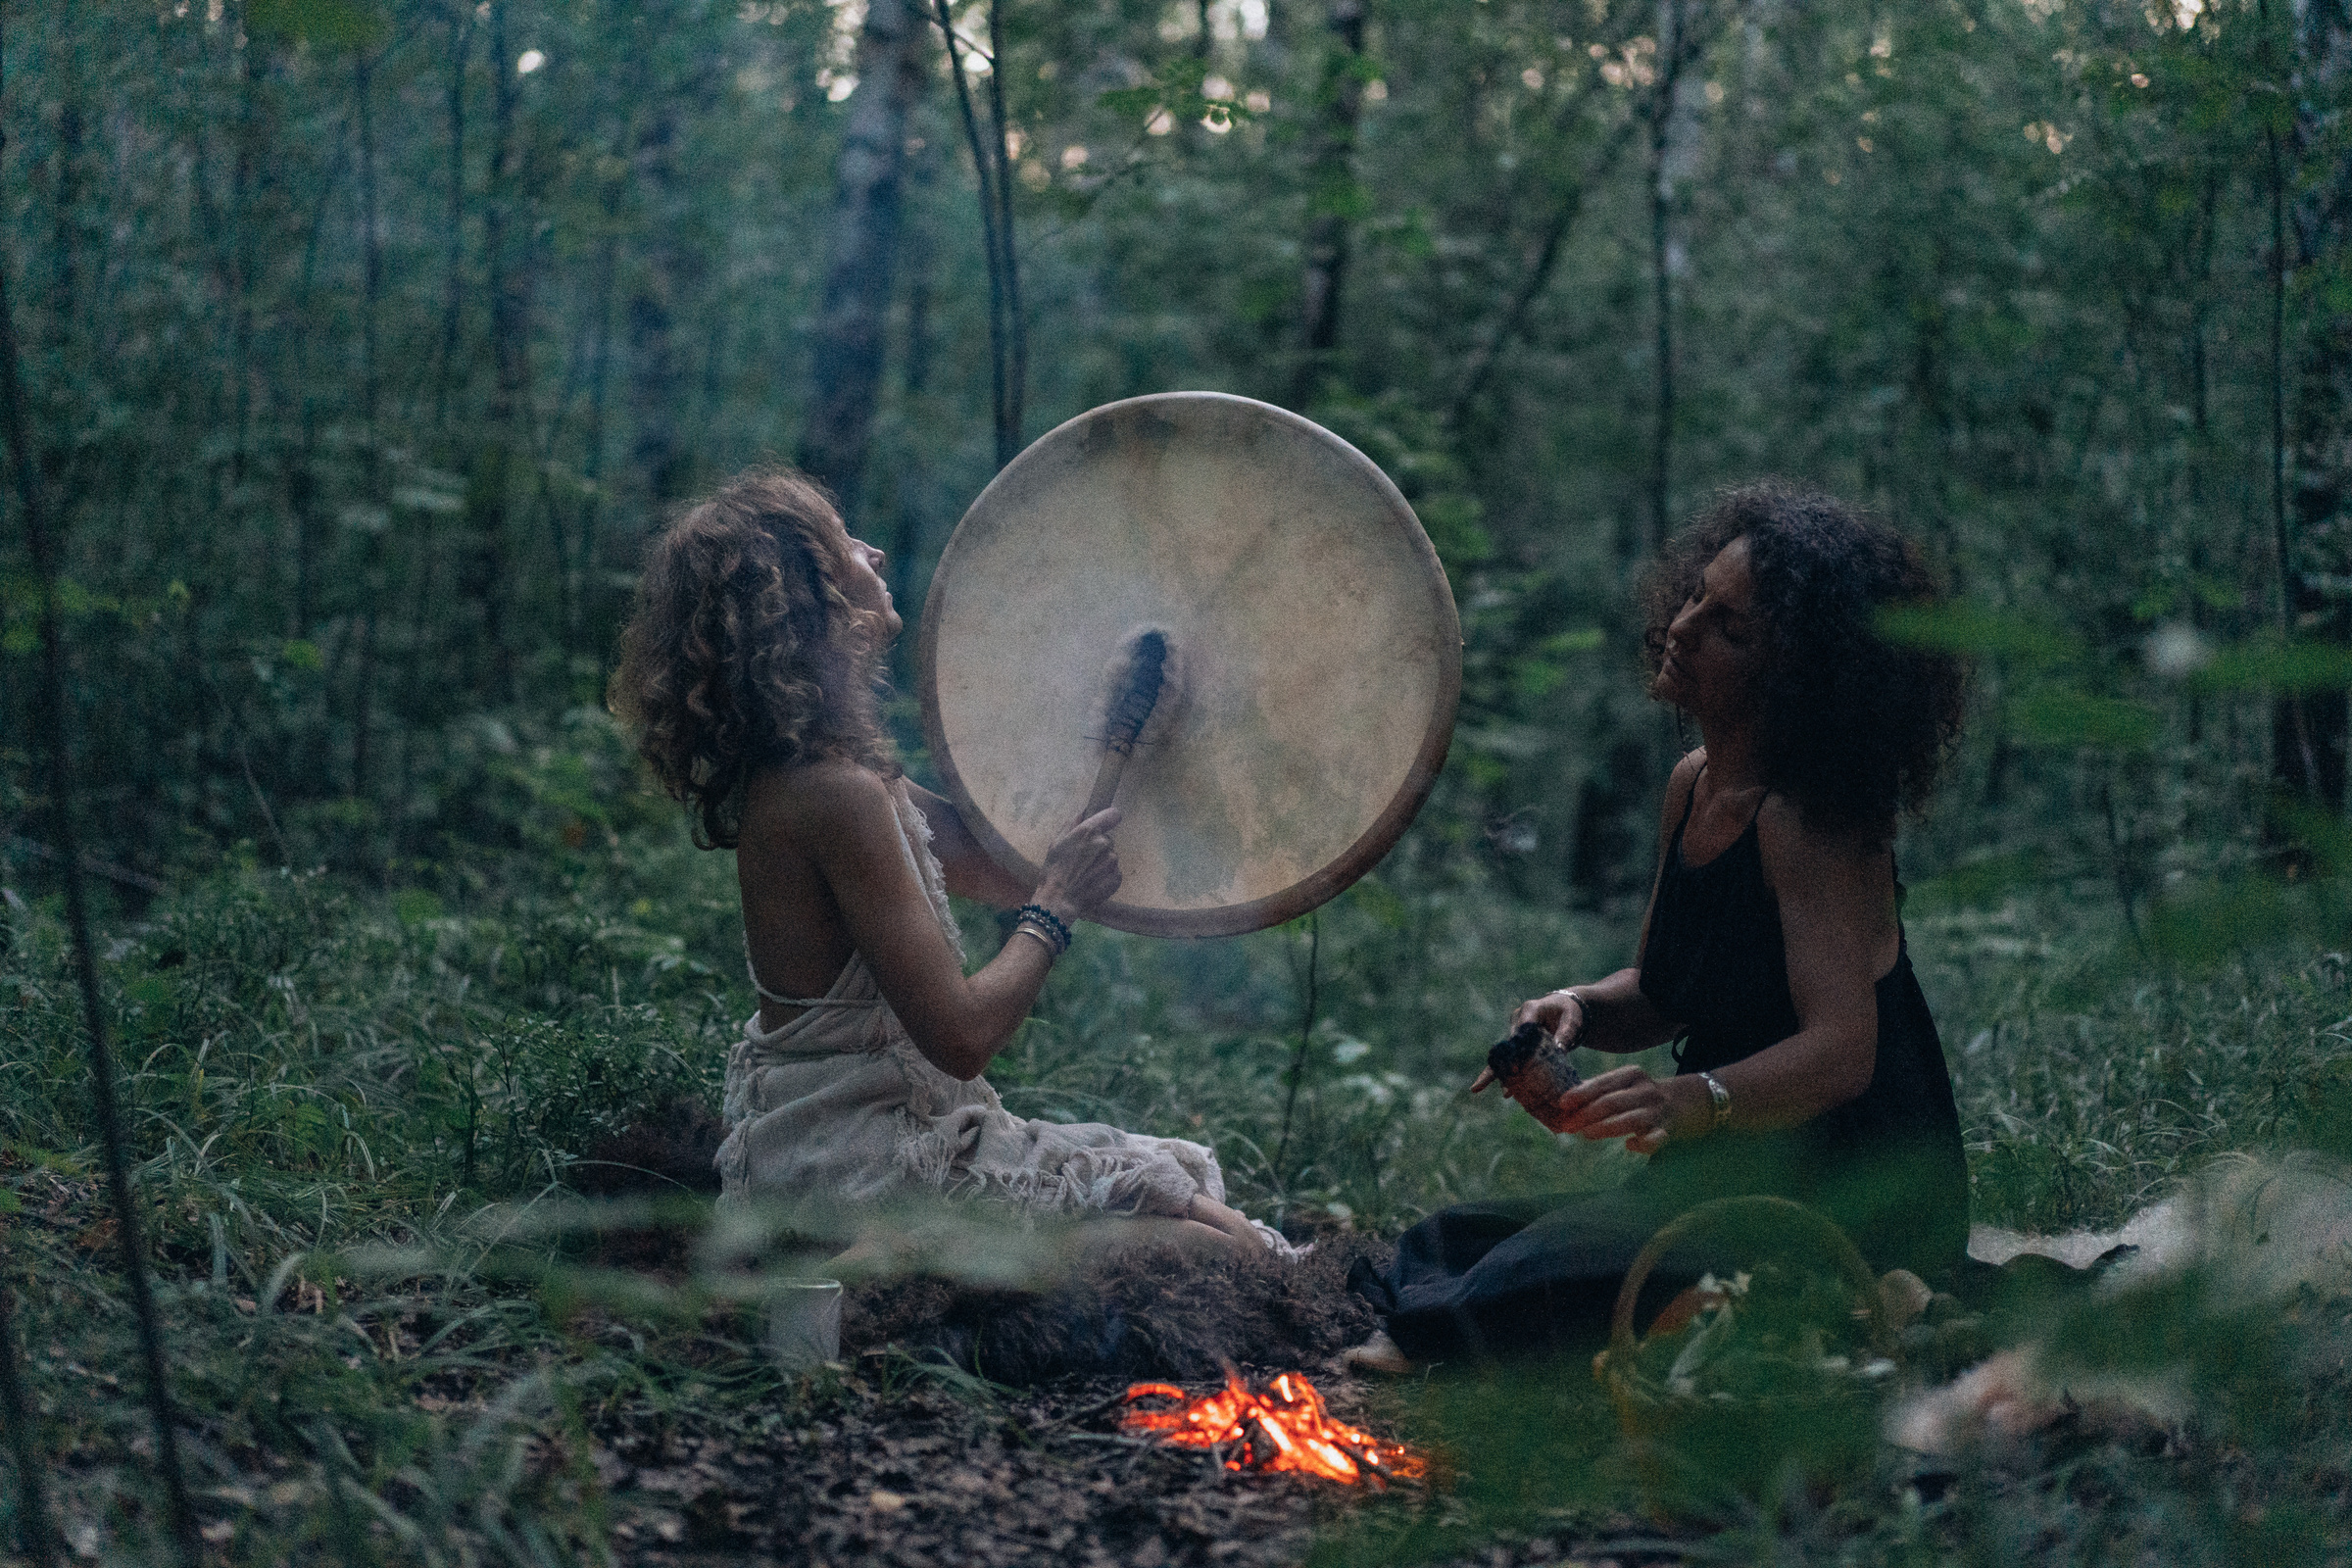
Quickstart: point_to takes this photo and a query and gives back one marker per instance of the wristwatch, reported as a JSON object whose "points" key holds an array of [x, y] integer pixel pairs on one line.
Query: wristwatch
{"points": [[1718, 1097]]}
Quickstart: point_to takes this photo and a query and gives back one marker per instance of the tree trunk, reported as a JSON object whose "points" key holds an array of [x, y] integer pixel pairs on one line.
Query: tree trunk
{"points": [[656, 368], [245, 258], [665, 284], [372, 466], [915, 377], [576, 566], [1487, 351], [1674, 53], [507, 278], [861, 253], [417, 674], [65, 245], [67, 226], [301, 478], [1008, 351], [453, 223], [1330, 195], [2312, 473], [1016, 325]]}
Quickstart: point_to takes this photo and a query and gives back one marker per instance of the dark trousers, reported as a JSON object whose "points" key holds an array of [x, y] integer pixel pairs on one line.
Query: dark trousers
{"points": [[1528, 1276]]}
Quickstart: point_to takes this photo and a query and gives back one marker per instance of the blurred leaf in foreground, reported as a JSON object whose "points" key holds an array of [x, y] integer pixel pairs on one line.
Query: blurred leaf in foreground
{"points": [[2287, 668], [1962, 627], [2060, 716], [347, 22], [1982, 881], [2220, 919]]}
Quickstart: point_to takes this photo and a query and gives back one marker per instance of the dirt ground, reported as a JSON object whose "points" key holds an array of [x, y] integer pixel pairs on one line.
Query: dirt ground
{"points": [[938, 1476]]}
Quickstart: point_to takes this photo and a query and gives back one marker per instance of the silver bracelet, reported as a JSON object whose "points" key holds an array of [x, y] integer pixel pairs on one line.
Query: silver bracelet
{"points": [[1720, 1097], [1031, 928], [1584, 1009]]}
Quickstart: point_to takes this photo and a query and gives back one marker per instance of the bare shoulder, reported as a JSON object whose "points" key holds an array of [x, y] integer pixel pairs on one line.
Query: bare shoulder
{"points": [[1789, 844], [1679, 785], [815, 802]]}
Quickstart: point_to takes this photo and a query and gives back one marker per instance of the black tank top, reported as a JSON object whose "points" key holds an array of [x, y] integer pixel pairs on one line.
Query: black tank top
{"points": [[1886, 1164]]}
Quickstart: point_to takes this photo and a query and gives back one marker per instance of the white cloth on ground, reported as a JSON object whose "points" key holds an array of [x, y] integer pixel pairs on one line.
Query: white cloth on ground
{"points": [[838, 1106]]}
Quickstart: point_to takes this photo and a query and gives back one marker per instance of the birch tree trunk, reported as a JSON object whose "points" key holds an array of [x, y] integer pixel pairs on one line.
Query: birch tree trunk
{"points": [[861, 252]]}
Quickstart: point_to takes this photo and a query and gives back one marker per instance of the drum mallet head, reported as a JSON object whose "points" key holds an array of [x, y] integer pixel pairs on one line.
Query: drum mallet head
{"points": [[1140, 676]]}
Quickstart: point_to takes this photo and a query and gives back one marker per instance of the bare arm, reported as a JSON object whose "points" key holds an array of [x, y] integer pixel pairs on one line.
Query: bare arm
{"points": [[1615, 1017], [1608, 1014], [1839, 935], [970, 871], [845, 819]]}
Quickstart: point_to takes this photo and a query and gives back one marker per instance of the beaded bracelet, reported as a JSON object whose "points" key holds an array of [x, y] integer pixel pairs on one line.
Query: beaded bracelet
{"points": [[1050, 922]]}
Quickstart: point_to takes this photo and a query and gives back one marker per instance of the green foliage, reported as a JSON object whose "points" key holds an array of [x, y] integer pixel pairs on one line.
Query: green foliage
{"points": [[315, 1063], [424, 482], [346, 23], [315, 1060], [2055, 715], [2291, 668], [362, 362], [1176, 90], [2087, 1088], [1962, 627]]}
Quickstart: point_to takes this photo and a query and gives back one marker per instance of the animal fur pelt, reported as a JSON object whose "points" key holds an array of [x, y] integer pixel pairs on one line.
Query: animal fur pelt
{"points": [[666, 1154], [2235, 1248], [671, 1149], [1147, 1311]]}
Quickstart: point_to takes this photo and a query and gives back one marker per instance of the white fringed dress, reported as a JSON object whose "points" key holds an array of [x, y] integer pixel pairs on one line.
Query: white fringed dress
{"points": [[838, 1107]]}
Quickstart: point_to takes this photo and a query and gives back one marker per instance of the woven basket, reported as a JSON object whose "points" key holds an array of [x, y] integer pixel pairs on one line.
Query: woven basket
{"points": [[1687, 1448]]}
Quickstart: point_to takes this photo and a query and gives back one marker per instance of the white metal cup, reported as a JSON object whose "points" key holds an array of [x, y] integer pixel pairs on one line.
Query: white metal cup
{"points": [[804, 1324]]}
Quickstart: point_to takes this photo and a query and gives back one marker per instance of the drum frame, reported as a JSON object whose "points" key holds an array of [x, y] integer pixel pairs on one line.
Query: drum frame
{"points": [[1317, 888]]}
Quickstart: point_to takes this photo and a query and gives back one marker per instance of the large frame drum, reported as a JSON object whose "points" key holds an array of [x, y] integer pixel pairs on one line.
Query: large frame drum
{"points": [[1315, 657]]}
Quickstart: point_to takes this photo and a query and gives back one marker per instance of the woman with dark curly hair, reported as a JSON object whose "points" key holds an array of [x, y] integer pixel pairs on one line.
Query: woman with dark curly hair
{"points": [[1772, 950], [748, 673]]}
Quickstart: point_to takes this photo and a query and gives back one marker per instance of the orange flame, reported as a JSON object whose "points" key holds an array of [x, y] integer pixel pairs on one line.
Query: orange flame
{"points": [[1284, 1427]]}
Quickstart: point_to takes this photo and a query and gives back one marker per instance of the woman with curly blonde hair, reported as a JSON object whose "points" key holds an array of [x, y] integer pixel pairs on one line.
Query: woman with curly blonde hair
{"points": [[748, 673]]}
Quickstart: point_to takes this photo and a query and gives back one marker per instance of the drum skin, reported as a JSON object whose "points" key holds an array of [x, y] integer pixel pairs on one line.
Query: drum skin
{"points": [[1316, 652]]}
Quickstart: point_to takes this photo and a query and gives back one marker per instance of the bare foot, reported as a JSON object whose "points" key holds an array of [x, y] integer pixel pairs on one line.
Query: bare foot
{"points": [[1098, 1239], [1377, 1356], [1251, 1235]]}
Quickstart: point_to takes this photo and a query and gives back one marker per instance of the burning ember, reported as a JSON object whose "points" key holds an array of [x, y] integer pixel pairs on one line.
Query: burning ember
{"points": [[1283, 1427]]}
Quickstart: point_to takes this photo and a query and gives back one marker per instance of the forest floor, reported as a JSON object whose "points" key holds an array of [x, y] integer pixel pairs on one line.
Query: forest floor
{"points": [[489, 1425], [930, 1478], [697, 1454], [364, 1116]]}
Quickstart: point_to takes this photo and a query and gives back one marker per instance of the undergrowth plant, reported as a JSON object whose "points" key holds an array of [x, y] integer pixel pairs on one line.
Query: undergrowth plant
{"points": [[357, 1113]]}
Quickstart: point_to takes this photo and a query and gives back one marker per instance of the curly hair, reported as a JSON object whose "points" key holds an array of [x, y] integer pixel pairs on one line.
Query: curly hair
{"points": [[1855, 729], [743, 652]]}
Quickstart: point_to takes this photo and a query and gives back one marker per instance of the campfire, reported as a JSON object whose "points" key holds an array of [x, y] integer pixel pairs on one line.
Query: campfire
{"points": [[1282, 1426]]}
